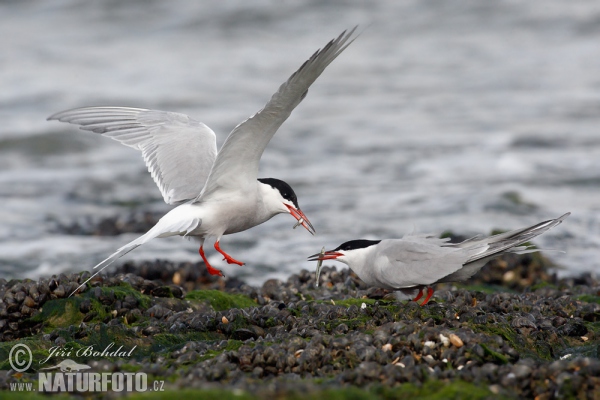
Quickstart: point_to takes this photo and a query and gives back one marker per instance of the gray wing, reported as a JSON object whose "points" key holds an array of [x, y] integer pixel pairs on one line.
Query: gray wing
{"points": [[178, 150], [236, 165], [420, 260]]}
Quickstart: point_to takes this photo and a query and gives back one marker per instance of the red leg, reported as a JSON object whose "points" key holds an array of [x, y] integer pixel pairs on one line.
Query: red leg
{"points": [[211, 270], [419, 295], [228, 258], [429, 294]]}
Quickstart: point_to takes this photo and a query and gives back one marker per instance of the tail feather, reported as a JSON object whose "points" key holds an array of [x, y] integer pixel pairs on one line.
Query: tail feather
{"points": [[495, 245], [511, 241], [151, 234]]}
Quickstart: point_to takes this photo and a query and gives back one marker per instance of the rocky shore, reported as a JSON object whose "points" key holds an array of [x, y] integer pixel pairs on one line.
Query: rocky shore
{"points": [[514, 331]]}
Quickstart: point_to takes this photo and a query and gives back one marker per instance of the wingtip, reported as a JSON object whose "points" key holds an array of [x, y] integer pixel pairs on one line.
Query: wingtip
{"points": [[53, 117]]}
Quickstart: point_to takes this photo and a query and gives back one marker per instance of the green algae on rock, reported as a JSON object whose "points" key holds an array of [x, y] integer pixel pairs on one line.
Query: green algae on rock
{"points": [[337, 340]]}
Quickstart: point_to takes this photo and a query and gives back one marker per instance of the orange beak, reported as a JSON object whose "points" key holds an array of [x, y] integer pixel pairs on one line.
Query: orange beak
{"points": [[328, 255], [301, 218]]}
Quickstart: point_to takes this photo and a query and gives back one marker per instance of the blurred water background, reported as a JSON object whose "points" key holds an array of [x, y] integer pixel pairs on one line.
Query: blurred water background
{"points": [[463, 116]]}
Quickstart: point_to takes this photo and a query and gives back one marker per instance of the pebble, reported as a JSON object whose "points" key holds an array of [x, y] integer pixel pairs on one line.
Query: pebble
{"points": [[455, 340], [289, 339]]}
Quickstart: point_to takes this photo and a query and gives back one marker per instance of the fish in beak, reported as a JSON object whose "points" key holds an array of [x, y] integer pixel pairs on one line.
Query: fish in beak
{"points": [[327, 255], [301, 218]]}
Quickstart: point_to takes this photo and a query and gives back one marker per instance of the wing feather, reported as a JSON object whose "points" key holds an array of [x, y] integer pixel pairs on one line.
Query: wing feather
{"points": [[417, 260], [178, 150], [237, 162]]}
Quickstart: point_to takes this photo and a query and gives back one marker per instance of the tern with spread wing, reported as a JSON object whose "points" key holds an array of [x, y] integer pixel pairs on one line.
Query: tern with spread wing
{"points": [[416, 262], [216, 194]]}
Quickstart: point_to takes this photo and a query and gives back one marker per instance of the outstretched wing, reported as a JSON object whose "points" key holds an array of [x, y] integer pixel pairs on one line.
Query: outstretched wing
{"points": [[178, 150], [236, 165]]}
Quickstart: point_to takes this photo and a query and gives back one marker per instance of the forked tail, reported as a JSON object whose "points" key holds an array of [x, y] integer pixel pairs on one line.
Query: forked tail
{"points": [[116, 255], [511, 241], [175, 222]]}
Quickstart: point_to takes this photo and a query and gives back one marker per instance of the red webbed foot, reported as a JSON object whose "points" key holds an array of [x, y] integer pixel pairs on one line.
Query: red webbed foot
{"points": [[227, 257], [210, 268]]}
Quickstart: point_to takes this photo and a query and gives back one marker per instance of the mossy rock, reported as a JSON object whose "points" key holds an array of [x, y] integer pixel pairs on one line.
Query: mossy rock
{"points": [[430, 391], [221, 301]]}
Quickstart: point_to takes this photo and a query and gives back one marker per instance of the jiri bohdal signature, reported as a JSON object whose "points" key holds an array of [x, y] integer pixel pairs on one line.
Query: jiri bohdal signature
{"points": [[89, 351]]}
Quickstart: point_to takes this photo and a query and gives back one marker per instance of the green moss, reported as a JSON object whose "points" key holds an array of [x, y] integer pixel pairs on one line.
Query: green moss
{"points": [[518, 342], [65, 312], [548, 347], [171, 341], [494, 354], [213, 394], [232, 345], [8, 395], [588, 298], [59, 313], [221, 301], [124, 289], [351, 302], [38, 351], [431, 391], [487, 289], [434, 390], [541, 285]]}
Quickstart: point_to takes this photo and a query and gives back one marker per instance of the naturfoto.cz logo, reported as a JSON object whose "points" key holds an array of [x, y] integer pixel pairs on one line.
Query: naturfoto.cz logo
{"points": [[71, 376]]}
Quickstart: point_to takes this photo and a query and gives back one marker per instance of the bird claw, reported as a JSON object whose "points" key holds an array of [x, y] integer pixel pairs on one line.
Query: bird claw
{"points": [[214, 271], [232, 261]]}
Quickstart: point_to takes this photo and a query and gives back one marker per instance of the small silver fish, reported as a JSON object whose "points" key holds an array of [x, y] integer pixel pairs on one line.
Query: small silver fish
{"points": [[319, 264], [300, 222]]}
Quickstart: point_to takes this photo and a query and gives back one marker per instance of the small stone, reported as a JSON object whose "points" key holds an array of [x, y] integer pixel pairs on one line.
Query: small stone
{"points": [[177, 278], [495, 389], [429, 344], [387, 347], [60, 291], [445, 341], [150, 330], [224, 320], [29, 302], [429, 359], [243, 334], [456, 341], [85, 306], [509, 276], [521, 371]]}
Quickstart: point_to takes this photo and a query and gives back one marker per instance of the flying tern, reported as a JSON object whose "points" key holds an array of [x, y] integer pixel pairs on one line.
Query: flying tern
{"points": [[216, 193], [416, 262]]}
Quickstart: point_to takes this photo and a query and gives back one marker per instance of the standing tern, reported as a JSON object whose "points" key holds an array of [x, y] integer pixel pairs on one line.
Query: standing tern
{"points": [[217, 194], [416, 262]]}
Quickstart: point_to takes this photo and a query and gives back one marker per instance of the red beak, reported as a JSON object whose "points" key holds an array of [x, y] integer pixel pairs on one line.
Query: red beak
{"points": [[301, 218], [328, 255]]}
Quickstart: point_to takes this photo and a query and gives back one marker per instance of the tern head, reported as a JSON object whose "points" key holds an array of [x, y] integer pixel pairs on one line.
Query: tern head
{"points": [[346, 252], [282, 199]]}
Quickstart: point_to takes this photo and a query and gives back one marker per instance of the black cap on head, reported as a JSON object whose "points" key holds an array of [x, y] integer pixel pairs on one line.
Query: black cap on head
{"points": [[357, 244], [286, 190]]}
